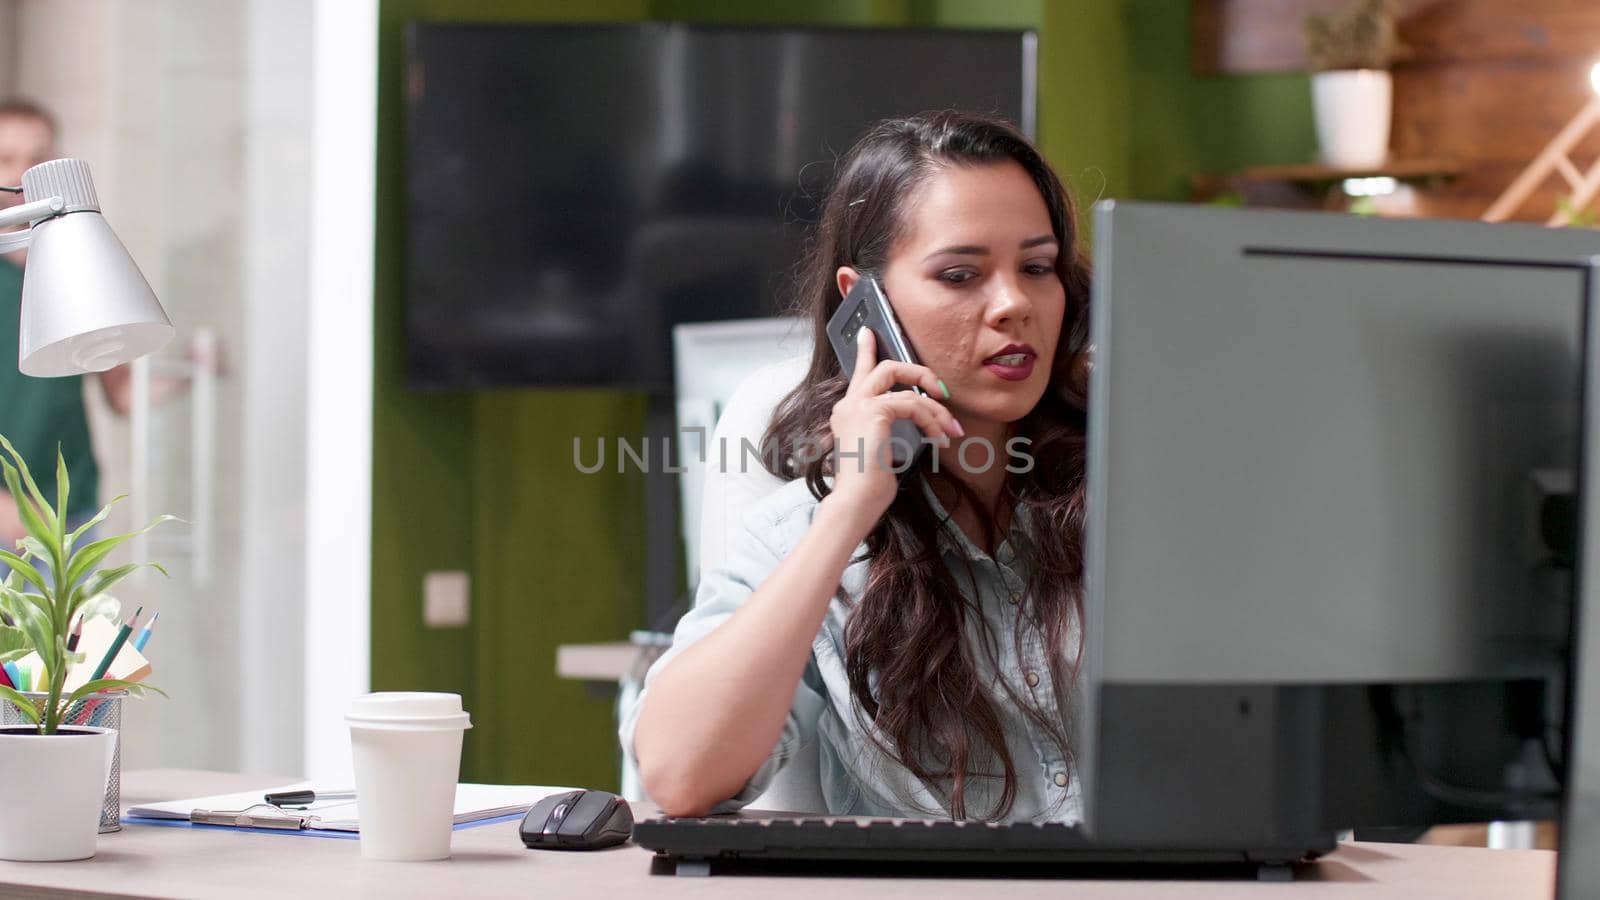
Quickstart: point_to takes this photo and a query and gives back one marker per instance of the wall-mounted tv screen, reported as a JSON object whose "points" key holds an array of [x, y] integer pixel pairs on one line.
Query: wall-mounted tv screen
{"points": [[575, 191]]}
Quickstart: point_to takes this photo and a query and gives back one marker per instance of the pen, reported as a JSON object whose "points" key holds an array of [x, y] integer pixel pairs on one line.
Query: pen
{"points": [[306, 798], [144, 633], [116, 645], [15, 674], [77, 632], [243, 819]]}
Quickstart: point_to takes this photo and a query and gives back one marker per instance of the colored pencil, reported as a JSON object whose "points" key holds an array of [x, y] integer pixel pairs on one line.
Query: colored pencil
{"points": [[116, 646], [144, 633]]}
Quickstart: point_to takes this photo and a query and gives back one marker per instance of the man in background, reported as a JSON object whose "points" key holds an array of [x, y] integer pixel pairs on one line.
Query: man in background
{"points": [[37, 414]]}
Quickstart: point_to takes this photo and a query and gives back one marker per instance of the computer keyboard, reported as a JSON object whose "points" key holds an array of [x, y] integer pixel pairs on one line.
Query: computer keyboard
{"points": [[751, 836]]}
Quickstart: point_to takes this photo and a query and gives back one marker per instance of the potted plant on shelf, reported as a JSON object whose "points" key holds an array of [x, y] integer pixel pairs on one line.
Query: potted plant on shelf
{"points": [[55, 775], [1351, 50]]}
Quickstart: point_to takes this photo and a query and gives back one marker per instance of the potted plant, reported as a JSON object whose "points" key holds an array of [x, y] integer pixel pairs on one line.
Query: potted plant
{"points": [[1351, 50], [56, 776]]}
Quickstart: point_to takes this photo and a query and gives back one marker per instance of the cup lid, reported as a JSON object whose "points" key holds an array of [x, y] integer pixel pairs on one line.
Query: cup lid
{"points": [[408, 709]]}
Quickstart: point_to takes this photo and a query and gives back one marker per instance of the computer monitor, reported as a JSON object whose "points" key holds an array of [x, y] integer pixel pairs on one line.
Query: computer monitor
{"points": [[1578, 874], [1320, 594], [710, 361]]}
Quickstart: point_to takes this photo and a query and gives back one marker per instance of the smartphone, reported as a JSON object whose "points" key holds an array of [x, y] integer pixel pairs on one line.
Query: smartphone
{"points": [[867, 306]]}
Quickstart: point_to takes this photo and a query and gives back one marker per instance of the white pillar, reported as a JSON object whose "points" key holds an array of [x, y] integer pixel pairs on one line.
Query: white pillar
{"points": [[273, 477], [338, 524]]}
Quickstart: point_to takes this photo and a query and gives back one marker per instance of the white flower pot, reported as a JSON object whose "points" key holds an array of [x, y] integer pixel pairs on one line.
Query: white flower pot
{"points": [[1352, 111], [51, 790]]}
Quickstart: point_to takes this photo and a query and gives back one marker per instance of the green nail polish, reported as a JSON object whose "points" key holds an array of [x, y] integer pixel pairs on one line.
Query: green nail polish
{"points": [[945, 389]]}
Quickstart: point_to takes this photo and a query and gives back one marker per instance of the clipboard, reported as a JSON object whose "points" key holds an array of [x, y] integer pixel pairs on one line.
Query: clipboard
{"points": [[476, 804]]}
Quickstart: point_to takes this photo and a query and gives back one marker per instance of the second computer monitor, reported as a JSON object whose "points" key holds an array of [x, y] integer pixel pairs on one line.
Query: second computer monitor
{"points": [[1320, 595]]}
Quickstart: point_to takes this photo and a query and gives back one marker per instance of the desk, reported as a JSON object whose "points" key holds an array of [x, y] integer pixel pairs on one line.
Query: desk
{"points": [[489, 861], [610, 662]]}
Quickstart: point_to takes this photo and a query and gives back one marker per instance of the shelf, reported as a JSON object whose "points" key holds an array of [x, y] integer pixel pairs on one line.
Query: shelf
{"points": [[1309, 185], [1313, 173]]}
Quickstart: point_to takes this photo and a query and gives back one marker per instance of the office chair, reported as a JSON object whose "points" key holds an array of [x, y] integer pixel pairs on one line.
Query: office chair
{"points": [[727, 494]]}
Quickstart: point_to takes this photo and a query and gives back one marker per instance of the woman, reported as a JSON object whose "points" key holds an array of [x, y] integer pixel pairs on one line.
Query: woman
{"points": [[925, 628]]}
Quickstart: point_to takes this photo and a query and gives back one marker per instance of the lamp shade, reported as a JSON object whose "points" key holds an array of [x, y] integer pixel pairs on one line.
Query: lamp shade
{"points": [[86, 307]]}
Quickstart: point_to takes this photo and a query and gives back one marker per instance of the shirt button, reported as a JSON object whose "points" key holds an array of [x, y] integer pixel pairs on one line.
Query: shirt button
{"points": [[1033, 679], [1014, 599], [1061, 779]]}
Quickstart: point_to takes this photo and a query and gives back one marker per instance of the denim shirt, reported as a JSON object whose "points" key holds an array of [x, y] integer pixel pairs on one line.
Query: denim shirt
{"points": [[856, 777]]}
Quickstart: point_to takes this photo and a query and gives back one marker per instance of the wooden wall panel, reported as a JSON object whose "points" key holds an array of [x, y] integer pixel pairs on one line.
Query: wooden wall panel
{"points": [[1239, 36], [1494, 110], [1488, 83], [1470, 194], [1487, 30]]}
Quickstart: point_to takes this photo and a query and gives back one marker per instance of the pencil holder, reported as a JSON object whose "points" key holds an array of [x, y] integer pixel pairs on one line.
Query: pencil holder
{"points": [[100, 710]]}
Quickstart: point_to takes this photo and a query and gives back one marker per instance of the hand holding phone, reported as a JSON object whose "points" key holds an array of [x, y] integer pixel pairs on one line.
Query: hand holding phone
{"points": [[887, 410]]}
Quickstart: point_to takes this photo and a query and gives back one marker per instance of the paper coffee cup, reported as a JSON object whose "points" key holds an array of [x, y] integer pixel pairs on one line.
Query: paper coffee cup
{"points": [[407, 753]]}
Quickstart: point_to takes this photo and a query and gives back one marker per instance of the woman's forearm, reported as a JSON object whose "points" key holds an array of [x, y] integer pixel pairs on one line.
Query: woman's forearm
{"points": [[713, 715]]}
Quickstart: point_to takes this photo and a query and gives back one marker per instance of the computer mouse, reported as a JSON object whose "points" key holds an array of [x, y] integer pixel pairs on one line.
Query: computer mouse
{"points": [[577, 820]]}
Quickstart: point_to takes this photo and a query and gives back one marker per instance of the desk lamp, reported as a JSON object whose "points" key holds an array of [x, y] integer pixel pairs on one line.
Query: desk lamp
{"points": [[85, 305]]}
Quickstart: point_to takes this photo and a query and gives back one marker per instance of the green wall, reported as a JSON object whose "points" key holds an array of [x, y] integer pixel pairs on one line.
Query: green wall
{"points": [[1084, 122], [484, 482], [1183, 124]]}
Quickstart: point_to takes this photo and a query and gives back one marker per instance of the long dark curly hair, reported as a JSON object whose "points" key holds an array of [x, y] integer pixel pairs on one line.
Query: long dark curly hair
{"points": [[914, 676]]}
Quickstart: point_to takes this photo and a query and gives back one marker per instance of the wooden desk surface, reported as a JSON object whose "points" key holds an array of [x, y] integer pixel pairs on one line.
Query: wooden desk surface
{"points": [[489, 861]]}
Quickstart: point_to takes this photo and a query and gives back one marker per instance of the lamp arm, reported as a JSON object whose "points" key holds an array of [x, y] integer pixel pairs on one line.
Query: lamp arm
{"points": [[26, 214]]}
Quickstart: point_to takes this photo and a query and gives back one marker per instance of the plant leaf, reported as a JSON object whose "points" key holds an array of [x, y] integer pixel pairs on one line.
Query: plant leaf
{"points": [[38, 628], [100, 581], [15, 602], [85, 560], [21, 602], [33, 516], [36, 625], [98, 518], [14, 643], [134, 689], [27, 477], [32, 549], [21, 702], [24, 569], [61, 496], [10, 599]]}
